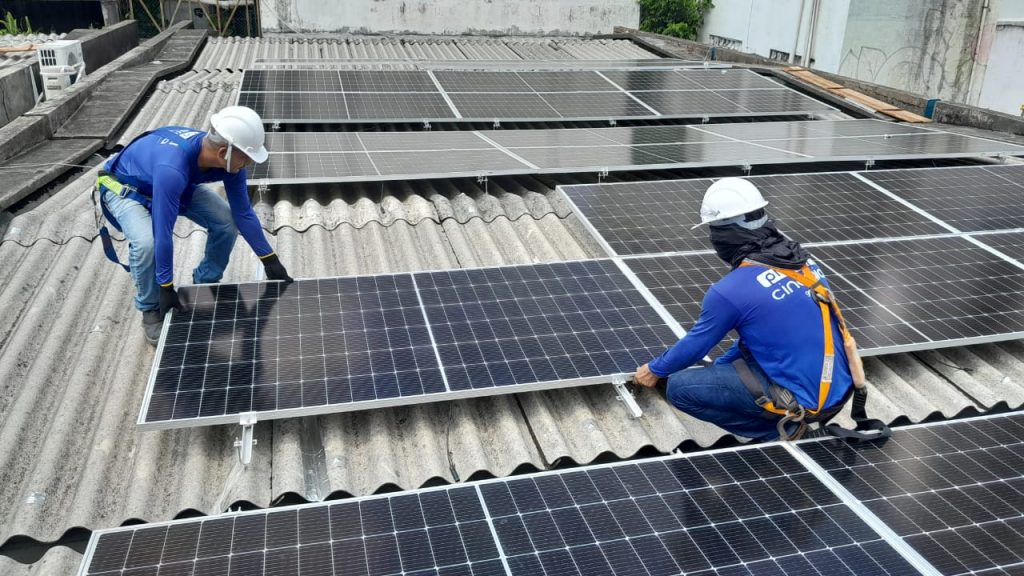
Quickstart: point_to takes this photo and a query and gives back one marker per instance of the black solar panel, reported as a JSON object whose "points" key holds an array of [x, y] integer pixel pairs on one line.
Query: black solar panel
{"points": [[946, 289], [810, 129], [291, 81], [728, 79], [296, 107], [953, 491], [690, 103], [655, 217], [595, 105], [315, 167], [753, 511], [634, 80], [271, 347], [541, 323], [497, 106], [386, 81], [968, 198], [1011, 243], [478, 81], [413, 106], [568, 81], [779, 101]]}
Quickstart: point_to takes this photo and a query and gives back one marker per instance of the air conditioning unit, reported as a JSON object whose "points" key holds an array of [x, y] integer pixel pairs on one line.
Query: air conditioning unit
{"points": [[61, 65]]}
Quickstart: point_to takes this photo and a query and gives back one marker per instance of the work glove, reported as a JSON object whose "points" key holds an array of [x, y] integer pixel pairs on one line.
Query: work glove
{"points": [[274, 269], [169, 300]]}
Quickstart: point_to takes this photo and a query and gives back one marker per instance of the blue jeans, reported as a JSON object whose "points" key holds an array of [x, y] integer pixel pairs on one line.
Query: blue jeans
{"points": [[717, 395], [207, 209]]}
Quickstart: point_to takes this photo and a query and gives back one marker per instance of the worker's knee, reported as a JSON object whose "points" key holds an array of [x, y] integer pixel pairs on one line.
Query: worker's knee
{"points": [[142, 247], [685, 389]]}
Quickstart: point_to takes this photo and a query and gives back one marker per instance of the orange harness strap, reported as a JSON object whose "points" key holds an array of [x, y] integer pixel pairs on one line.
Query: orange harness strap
{"points": [[828, 305]]}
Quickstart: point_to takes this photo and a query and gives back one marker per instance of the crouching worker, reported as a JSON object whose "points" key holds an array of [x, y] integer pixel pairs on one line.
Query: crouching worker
{"points": [[162, 174], [792, 362]]}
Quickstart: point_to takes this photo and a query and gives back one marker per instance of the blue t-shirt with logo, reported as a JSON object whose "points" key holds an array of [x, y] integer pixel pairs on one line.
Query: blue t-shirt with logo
{"points": [[164, 165], [777, 320]]}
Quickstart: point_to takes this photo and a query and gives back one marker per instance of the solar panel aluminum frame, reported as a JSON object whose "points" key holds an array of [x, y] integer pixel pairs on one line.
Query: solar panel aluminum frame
{"points": [[249, 418], [812, 468]]}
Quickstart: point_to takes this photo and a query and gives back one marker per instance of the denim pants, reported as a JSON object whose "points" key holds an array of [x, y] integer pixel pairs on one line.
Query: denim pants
{"points": [[717, 395], [207, 209]]}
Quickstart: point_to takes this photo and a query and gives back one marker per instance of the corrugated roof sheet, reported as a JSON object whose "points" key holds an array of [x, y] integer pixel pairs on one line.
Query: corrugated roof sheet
{"points": [[236, 53], [73, 362], [20, 40]]}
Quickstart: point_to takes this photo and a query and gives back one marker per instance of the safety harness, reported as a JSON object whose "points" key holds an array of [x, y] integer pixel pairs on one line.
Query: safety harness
{"points": [[106, 180], [777, 401]]}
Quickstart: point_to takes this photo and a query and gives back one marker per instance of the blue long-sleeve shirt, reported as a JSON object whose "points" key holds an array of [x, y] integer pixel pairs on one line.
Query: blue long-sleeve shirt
{"points": [[779, 323], [164, 165]]}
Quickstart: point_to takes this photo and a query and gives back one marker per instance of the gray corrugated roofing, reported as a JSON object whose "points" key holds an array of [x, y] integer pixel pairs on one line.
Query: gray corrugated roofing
{"points": [[73, 364], [237, 53]]}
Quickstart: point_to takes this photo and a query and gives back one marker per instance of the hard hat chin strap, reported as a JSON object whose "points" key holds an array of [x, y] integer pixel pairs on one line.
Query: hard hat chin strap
{"points": [[228, 165]]}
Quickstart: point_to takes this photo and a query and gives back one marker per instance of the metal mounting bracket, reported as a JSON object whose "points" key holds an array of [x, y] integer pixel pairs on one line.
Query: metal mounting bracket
{"points": [[275, 126], [426, 125], [747, 168], [602, 174], [247, 420], [705, 119], [869, 163], [496, 124], [619, 382], [612, 122]]}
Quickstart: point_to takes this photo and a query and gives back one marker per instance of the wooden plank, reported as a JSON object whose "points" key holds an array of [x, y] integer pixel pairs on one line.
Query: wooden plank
{"points": [[866, 100], [812, 78], [907, 116]]}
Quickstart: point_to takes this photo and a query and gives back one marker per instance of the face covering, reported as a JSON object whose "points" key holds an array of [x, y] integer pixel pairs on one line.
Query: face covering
{"points": [[734, 243]]}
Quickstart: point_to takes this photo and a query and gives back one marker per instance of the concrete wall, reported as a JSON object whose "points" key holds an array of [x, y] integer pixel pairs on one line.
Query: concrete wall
{"points": [[923, 46], [762, 27], [556, 17], [104, 45], [17, 95]]}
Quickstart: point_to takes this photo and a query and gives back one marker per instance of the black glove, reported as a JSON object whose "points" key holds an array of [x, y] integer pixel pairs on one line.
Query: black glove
{"points": [[274, 269], [169, 300]]}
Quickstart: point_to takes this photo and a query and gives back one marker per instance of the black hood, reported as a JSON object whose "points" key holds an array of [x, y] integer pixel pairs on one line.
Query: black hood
{"points": [[734, 244]]}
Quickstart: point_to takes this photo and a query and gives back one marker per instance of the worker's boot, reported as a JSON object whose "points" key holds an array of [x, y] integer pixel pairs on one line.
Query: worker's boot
{"points": [[152, 325]]}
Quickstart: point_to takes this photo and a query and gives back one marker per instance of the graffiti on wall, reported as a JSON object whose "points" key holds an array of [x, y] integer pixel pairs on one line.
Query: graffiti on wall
{"points": [[933, 56]]}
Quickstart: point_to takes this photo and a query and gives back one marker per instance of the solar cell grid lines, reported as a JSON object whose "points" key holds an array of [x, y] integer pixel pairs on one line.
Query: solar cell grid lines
{"points": [[656, 217], [520, 325], [288, 96], [946, 289], [747, 511], [953, 491], [586, 150], [337, 344], [970, 199]]}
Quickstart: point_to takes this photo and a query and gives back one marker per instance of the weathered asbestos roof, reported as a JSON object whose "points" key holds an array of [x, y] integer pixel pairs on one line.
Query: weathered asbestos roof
{"points": [[236, 53], [21, 40], [73, 362]]}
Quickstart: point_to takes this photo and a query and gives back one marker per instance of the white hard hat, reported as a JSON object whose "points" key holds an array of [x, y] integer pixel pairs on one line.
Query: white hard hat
{"points": [[243, 129], [728, 198]]}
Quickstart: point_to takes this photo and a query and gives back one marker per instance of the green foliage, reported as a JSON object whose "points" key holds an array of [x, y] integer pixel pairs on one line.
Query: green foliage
{"points": [[679, 18], [9, 25]]}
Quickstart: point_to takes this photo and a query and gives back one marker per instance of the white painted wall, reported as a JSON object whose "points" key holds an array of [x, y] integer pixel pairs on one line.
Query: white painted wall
{"points": [[556, 17], [765, 25], [998, 81]]}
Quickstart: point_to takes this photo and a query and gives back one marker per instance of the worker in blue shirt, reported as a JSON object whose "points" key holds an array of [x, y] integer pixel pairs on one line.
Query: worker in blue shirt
{"points": [[163, 174], [786, 366]]}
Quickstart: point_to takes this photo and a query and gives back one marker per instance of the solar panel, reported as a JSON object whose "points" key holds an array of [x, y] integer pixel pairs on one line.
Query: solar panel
{"points": [[811, 129], [336, 344], [691, 103], [565, 150], [634, 80], [747, 511], [405, 95], [947, 289], [272, 347], [952, 491], [970, 199], [1011, 243], [656, 217], [893, 294], [529, 324], [729, 79]]}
